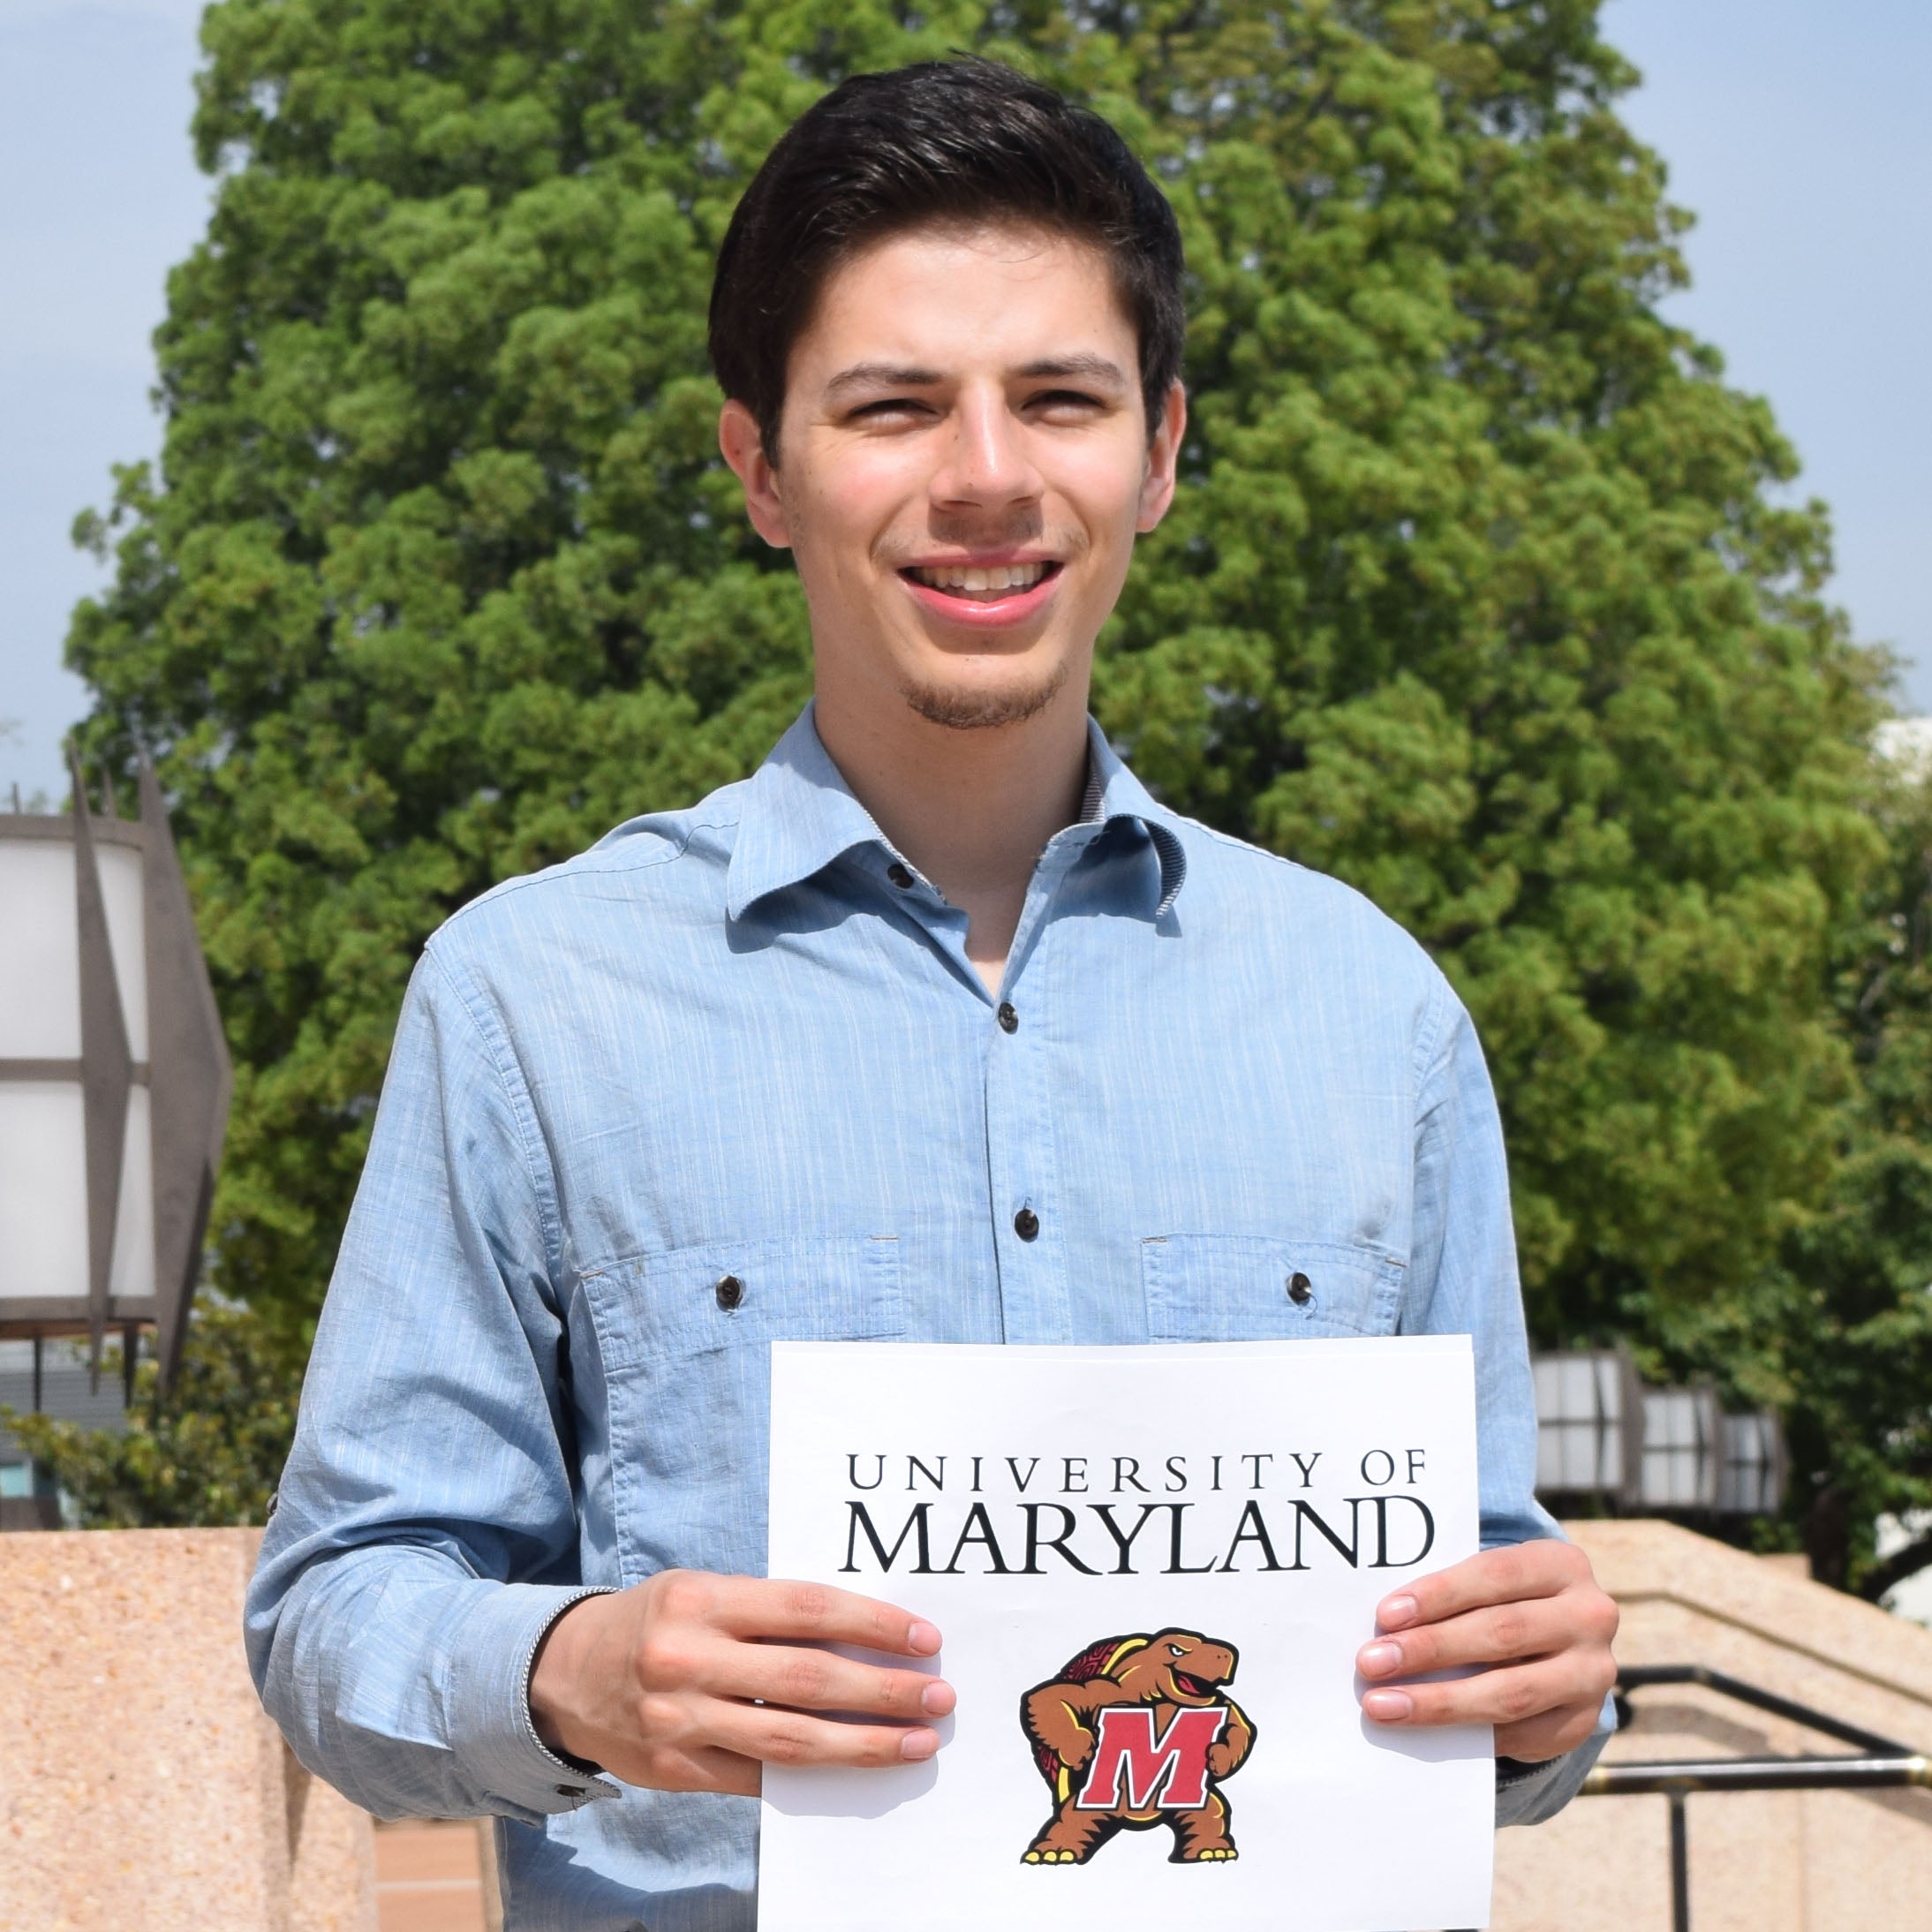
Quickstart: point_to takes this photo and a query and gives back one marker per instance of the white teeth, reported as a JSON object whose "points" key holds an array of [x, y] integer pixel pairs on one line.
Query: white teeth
{"points": [[1008, 577]]}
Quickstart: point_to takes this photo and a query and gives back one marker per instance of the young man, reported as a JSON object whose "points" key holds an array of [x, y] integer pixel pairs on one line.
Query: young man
{"points": [[938, 1027]]}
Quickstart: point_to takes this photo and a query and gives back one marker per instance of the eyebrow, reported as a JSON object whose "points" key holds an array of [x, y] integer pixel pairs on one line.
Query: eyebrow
{"points": [[893, 375], [1085, 368], [881, 375]]}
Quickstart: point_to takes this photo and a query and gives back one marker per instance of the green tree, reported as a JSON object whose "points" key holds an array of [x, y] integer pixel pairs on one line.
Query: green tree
{"points": [[1851, 1303], [1477, 593], [206, 1452]]}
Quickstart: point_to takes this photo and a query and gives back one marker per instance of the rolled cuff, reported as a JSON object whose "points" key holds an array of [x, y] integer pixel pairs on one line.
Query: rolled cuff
{"points": [[1529, 1794], [491, 1732]]}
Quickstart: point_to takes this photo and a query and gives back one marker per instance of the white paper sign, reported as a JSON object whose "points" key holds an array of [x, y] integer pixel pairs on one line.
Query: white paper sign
{"points": [[1152, 1568]]}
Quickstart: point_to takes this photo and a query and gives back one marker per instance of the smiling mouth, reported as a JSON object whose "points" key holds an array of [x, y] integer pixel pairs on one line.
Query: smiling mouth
{"points": [[981, 583], [1191, 1686]]}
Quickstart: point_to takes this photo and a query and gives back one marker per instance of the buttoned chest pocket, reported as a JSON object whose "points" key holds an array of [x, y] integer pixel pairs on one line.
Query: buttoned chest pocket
{"points": [[1239, 1288], [727, 1295]]}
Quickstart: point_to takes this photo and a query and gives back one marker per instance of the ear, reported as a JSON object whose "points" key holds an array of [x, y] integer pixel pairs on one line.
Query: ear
{"points": [[1162, 459], [743, 447]]}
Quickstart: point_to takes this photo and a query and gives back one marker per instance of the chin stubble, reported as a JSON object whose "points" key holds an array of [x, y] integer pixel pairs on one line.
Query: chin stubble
{"points": [[983, 710]]}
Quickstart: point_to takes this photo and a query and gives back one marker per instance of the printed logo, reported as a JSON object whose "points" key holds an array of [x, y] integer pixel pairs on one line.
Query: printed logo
{"points": [[1137, 1732]]}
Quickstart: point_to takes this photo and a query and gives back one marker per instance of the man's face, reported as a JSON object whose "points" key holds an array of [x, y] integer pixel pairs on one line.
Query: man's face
{"points": [[964, 464]]}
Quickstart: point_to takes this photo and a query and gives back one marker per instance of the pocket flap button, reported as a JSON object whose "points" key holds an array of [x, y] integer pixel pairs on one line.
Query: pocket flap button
{"points": [[1301, 1289], [731, 1292]]}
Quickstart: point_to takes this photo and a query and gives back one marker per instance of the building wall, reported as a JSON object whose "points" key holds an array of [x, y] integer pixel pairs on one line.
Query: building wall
{"points": [[140, 1784]]}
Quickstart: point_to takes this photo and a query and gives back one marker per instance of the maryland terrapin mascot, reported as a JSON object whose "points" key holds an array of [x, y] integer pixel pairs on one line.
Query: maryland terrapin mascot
{"points": [[1137, 1732]]}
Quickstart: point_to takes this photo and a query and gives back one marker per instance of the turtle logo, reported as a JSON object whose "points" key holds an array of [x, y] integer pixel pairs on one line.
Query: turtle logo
{"points": [[1137, 1732]]}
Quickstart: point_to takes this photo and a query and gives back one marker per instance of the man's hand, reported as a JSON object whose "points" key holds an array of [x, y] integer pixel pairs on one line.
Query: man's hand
{"points": [[690, 1681], [1533, 1615]]}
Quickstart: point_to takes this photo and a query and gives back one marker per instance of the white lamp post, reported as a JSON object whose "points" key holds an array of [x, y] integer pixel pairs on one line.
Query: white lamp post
{"points": [[1681, 1448], [1751, 1478], [114, 1077], [1590, 1426], [1603, 1438]]}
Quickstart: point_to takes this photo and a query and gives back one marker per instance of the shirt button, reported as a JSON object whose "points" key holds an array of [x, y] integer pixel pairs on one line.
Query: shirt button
{"points": [[730, 1292], [1301, 1289], [899, 876], [1009, 1020], [1026, 1224]]}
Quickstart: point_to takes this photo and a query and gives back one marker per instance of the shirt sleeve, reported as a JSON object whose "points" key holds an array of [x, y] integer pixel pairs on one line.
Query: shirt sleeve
{"points": [[1529, 1794], [1462, 1269], [1463, 1281], [424, 1532]]}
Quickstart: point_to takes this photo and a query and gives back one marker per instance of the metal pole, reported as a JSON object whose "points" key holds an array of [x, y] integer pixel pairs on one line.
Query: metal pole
{"points": [[1760, 1774], [1679, 1865], [1883, 1764], [1638, 1676]]}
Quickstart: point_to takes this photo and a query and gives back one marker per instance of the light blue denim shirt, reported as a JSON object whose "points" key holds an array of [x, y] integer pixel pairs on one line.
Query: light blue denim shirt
{"points": [[745, 1039]]}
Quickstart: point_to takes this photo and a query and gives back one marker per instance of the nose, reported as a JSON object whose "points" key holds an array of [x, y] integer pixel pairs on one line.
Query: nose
{"points": [[987, 465]]}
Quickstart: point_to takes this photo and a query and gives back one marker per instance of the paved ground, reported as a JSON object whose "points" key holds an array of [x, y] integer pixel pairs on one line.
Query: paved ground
{"points": [[427, 1878]]}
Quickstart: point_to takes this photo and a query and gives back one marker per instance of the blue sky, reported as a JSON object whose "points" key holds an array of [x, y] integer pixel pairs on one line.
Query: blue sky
{"points": [[1795, 130]]}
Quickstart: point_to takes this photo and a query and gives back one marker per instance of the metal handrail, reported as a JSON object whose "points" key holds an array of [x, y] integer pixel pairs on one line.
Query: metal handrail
{"points": [[1882, 1762], [1640, 1676], [1687, 1775]]}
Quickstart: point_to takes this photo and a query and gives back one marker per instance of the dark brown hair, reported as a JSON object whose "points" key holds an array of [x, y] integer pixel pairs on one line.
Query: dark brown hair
{"points": [[962, 141]]}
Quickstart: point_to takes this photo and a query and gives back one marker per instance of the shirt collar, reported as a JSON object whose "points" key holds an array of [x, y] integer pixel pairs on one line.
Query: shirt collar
{"points": [[799, 815], [1114, 793]]}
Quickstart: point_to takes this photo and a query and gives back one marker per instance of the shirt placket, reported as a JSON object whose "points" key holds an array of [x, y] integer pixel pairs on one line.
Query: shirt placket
{"points": [[1030, 1230]]}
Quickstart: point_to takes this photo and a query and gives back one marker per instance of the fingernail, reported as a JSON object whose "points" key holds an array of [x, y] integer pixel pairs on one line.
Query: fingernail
{"points": [[1389, 1706], [1378, 1659], [936, 1698], [922, 1641], [1396, 1612], [916, 1746]]}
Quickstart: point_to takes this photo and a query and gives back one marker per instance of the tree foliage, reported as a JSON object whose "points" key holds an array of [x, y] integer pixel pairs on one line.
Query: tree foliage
{"points": [[1851, 1306], [207, 1453], [1479, 591]]}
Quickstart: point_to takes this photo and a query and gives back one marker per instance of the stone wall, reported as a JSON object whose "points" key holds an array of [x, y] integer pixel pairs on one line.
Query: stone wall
{"points": [[140, 1784], [1760, 1862]]}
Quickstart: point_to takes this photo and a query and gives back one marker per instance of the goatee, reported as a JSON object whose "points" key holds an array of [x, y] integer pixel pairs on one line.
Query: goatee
{"points": [[983, 710]]}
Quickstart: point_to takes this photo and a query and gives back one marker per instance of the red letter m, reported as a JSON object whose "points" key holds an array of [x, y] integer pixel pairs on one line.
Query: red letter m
{"points": [[1178, 1763]]}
